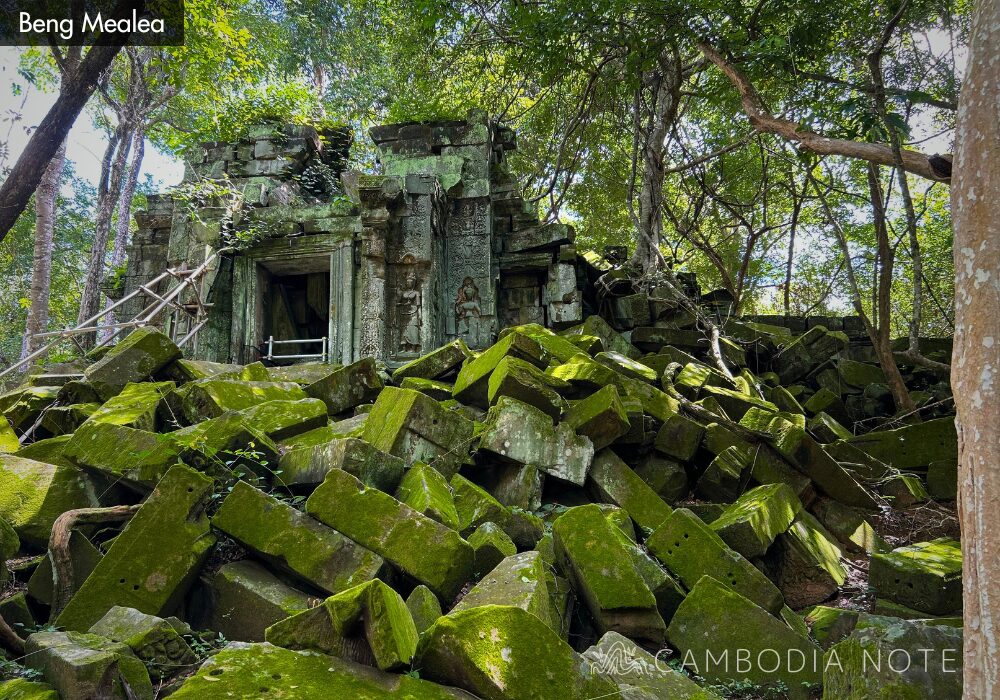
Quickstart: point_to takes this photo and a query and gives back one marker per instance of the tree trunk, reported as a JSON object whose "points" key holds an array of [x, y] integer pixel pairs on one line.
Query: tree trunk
{"points": [[663, 85], [41, 271], [125, 214], [975, 367], [115, 157], [23, 179]]}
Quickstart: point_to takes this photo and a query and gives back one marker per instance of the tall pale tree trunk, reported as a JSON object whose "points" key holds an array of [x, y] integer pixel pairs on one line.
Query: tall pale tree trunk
{"points": [[975, 367], [109, 188], [661, 93], [41, 270], [125, 214]]}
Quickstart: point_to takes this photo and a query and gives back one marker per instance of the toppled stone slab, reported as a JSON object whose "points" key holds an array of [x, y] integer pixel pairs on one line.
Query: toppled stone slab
{"points": [[348, 386], [523, 381], [714, 619], [912, 446], [23, 689], [416, 428], [84, 557], [601, 417], [368, 623], [518, 580], [8, 438], [264, 670], [491, 546], [33, 494], [614, 482], [424, 607], [436, 363], [62, 420], [135, 407], [476, 506], [136, 358], [926, 576], [137, 456], [426, 491], [84, 666], [523, 434], [472, 383], [752, 523], [210, 398], [136, 574], [690, 549], [226, 446], [492, 651], [21, 407], [154, 640], [806, 563], [310, 465], [603, 575], [430, 552], [886, 658], [294, 542], [807, 352], [244, 598], [281, 420], [638, 674]]}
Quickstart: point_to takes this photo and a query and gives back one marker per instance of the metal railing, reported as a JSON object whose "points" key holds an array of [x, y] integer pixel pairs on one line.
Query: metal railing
{"points": [[195, 313], [321, 355]]}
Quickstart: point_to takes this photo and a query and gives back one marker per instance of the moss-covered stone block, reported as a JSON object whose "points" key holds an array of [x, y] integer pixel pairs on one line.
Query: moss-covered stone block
{"points": [[309, 465], [926, 576], [63, 420], [523, 381], [806, 563], [139, 356], [903, 490], [849, 526], [633, 369], [603, 575], [826, 428], [517, 486], [416, 428], [425, 490], [367, 623], [263, 670], [601, 417], [493, 652], [137, 456], [472, 383], [725, 476], [475, 505], [281, 420], [84, 666], [891, 659], [22, 406], [424, 607], [436, 363], [521, 433], [293, 542], [33, 494], [8, 438], [23, 689], [210, 398], [942, 480], [714, 620], [154, 640], [613, 481], [679, 438], [752, 523], [911, 446], [16, 613], [244, 598], [807, 351], [348, 386], [430, 552], [491, 545], [691, 549], [439, 391], [583, 374], [638, 674], [518, 580], [85, 557], [135, 407], [154, 560]]}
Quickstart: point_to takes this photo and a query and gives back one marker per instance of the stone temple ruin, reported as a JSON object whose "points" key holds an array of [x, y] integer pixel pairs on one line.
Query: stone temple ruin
{"points": [[501, 484], [439, 247]]}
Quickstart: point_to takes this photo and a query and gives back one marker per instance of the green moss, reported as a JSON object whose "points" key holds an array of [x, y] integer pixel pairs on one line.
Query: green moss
{"points": [[22, 689], [138, 456], [34, 494], [246, 598], [615, 482], [472, 383], [310, 465], [601, 417], [374, 607], [143, 353], [475, 506], [424, 607], [523, 381], [8, 438], [504, 653], [751, 523], [281, 420], [348, 386], [292, 541], [491, 546], [434, 364], [210, 398], [424, 489], [135, 407], [428, 551], [156, 557], [926, 576], [87, 666]]}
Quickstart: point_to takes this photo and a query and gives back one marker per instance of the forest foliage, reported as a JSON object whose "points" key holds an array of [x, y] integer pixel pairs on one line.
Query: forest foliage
{"points": [[750, 211]]}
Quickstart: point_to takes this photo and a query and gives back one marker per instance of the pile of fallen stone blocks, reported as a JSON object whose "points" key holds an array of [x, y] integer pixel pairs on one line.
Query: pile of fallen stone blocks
{"points": [[557, 515]]}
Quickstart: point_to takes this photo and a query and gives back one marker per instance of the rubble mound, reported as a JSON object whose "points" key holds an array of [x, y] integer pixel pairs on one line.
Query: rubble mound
{"points": [[610, 509]]}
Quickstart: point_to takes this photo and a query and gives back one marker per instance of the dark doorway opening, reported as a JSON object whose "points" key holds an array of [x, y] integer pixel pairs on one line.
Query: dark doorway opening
{"points": [[295, 306]]}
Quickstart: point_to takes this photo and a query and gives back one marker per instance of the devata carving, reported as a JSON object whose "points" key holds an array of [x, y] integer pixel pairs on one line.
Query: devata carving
{"points": [[409, 302], [467, 309]]}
